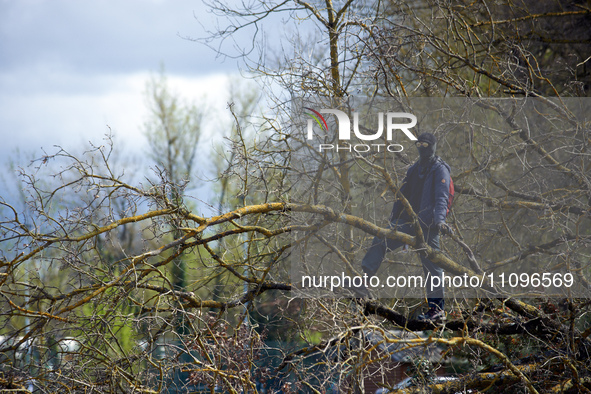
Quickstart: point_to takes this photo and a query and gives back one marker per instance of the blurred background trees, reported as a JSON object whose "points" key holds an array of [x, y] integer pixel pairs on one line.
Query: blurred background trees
{"points": [[173, 132]]}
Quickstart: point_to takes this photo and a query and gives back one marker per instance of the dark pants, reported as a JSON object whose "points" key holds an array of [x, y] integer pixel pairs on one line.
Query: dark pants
{"points": [[374, 256]]}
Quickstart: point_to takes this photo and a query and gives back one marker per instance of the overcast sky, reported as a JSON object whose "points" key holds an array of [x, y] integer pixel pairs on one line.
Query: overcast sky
{"points": [[69, 68]]}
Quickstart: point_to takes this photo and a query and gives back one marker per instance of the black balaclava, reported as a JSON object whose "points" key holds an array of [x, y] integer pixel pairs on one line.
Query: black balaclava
{"points": [[427, 154]]}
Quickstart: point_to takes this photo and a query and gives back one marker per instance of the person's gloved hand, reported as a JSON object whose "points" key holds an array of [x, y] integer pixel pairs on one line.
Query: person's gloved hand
{"points": [[445, 228]]}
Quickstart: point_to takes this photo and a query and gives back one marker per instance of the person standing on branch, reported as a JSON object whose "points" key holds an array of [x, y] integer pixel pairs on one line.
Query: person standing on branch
{"points": [[427, 188]]}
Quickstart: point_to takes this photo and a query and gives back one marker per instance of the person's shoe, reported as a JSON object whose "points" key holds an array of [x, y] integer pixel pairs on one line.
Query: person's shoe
{"points": [[434, 314]]}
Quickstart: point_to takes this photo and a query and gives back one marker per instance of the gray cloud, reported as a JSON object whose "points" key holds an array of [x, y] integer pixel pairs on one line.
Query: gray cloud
{"points": [[71, 67], [105, 36]]}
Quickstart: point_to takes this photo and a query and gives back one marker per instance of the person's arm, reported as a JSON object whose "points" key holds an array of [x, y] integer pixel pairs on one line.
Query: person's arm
{"points": [[441, 179]]}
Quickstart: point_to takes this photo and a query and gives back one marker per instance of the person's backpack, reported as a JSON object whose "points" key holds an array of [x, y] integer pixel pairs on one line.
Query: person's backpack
{"points": [[452, 191]]}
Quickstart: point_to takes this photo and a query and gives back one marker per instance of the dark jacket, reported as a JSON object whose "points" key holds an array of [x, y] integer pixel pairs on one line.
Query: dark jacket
{"points": [[434, 196]]}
